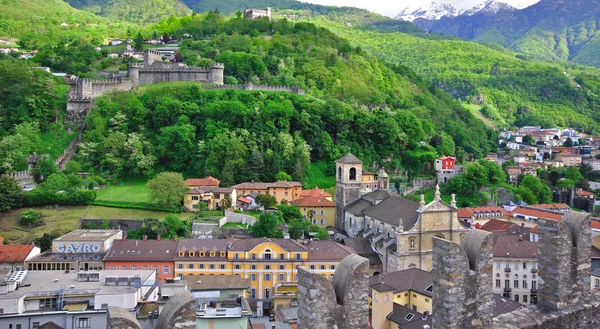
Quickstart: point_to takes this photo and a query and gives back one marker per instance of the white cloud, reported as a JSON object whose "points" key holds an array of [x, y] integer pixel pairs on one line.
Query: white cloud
{"points": [[391, 8]]}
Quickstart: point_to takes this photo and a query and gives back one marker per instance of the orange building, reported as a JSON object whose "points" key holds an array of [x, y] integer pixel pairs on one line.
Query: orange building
{"points": [[198, 182], [280, 190], [316, 193], [134, 255]]}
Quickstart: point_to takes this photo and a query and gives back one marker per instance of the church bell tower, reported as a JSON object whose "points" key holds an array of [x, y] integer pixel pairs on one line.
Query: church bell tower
{"points": [[348, 184]]}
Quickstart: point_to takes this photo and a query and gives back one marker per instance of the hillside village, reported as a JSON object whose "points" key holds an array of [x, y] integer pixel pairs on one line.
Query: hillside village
{"points": [[158, 212]]}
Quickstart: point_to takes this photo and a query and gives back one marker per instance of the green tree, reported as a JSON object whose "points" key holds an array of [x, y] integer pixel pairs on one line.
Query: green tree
{"points": [[152, 228], [568, 142], [72, 167], [526, 195], [290, 212], [167, 189], [266, 201], [283, 176], [573, 174], [176, 227], [297, 228], [29, 218], [11, 193], [44, 167], [322, 234], [565, 183], [105, 224], [266, 226], [202, 206], [138, 42], [45, 242], [541, 191]]}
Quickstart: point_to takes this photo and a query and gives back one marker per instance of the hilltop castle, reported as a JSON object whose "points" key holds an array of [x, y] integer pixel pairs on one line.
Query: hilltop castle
{"points": [[152, 70]]}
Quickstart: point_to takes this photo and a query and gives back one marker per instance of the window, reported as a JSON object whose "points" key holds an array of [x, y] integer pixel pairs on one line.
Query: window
{"points": [[179, 266], [201, 266], [267, 277], [267, 256], [426, 300], [497, 283], [298, 257], [322, 212], [312, 267], [123, 267], [322, 222], [525, 266], [524, 284], [409, 316], [191, 254], [267, 267], [281, 256], [222, 266], [314, 221], [352, 173], [253, 256], [236, 256], [340, 173], [83, 323], [166, 270], [211, 266], [48, 303], [524, 298], [497, 264], [322, 267], [112, 268], [517, 298], [194, 198], [104, 306], [286, 193], [237, 266], [281, 267], [534, 285], [414, 308], [516, 284], [332, 267], [35, 325], [253, 267], [253, 293], [506, 284], [414, 295], [18, 326], [253, 277], [281, 277], [190, 266], [597, 283]]}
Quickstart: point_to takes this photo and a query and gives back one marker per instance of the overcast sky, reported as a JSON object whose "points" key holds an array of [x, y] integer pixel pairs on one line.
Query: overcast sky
{"points": [[392, 8]]}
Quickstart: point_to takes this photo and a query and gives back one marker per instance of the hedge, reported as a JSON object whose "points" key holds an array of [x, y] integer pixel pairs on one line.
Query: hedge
{"points": [[133, 205], [77, 197]]}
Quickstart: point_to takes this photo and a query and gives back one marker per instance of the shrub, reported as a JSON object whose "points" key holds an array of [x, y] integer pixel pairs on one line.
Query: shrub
{"points": [[30, 218]]}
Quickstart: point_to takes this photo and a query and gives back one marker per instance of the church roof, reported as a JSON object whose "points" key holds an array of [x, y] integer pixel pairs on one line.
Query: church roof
{"points": [[379, 195], [395, 209], [349, 158], [358, 207]]}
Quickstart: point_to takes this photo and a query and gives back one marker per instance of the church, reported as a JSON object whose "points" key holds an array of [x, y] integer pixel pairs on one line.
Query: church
{"points": [[399, 229]]}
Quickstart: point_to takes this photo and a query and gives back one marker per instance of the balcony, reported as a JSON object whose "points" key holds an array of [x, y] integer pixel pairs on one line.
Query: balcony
{"points": [[534, 270], [507, 290], [507, 269]]}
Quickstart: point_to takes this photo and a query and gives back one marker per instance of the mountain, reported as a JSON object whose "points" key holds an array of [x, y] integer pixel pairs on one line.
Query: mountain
{"points": [[489, 7], [552, 30], [42, 22], [138, 11], [432, 11]]}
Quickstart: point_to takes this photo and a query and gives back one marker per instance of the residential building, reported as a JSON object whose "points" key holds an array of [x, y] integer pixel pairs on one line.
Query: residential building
{"points": [[369, 183], [316, 192], [445, 169], [520, 157], [318, 210], [209, 181], [515, 268], [513, 173], [213, 197], [13, 257], [280, 190], [593, 163], [71, 300], [138, 255], [202, 256], [471, 215], [584, 194], [570, 160], [79, 250], [253, 13], [404, 299]]}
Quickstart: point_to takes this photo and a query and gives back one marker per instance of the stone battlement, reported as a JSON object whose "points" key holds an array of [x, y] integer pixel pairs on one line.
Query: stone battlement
{"points": [[173, 68]]}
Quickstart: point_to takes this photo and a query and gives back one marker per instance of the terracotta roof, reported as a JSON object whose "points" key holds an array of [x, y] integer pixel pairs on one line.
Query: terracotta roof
{"points": [[249, 244], [585, 193], [554, 206], [366, 172], [316, 192], [536, 213], [468, 212], [244, 200], [265, 186], [496, 225], [216, 282], [349, 158], [411, 279], [595, 224], [207, 181], [197, 245], [142, 250], [535, 230], [447, 158], [12, 253], [313, 202], [327, 251], [209, 189], [510, 246]]}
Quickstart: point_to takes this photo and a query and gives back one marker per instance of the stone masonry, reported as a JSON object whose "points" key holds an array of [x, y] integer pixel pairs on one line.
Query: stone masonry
{"points": [[341, 303], [120, 318], [463, 283]]}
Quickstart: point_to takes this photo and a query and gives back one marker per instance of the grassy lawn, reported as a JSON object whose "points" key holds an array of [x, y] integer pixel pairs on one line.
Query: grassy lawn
{"points": [[316, 177], [55, 141], [125, 191], [235, 225], [63, 220]]}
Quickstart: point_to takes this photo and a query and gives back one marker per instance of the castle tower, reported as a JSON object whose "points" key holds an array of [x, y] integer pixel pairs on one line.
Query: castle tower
{"points": [[383, 180], [348, 184]]}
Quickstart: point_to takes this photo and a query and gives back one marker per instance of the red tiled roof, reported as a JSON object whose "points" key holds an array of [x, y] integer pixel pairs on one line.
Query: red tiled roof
{"points": [[207, 181], [313, 202], [496, 225], [535, 230], [327, 251], [264, 186], [446, 158], [244, 200], [316, 192], [12, 253], [596, 224], [554, 206], [536, 213], [585, 193], [468, 212]]}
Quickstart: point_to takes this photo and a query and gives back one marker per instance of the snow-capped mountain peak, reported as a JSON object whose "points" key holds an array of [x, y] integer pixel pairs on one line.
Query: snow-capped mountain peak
{"points": [[433, 11], [489, 7]]}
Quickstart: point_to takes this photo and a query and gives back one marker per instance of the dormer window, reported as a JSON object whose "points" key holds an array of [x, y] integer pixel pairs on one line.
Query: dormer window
{"points": [[202, 254], [180, 254], [222, 254], [191, 253], [212, 254]]}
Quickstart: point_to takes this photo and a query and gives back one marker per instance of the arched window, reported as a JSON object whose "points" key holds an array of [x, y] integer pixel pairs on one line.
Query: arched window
{"points": [[411, 243], [339, 172], [439, 235], [352, 173]]}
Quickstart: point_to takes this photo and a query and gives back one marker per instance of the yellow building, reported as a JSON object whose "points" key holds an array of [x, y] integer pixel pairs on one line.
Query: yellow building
{"points": [[213, 197], [281, 190], [319, 210], [269, 263]]}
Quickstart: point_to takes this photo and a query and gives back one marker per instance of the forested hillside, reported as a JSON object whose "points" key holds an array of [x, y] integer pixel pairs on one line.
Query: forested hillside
{"points": [[51, 22], [137, 11], [510, 90]]}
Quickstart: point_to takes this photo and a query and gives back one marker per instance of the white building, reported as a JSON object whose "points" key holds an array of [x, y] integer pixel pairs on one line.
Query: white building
{"points": [[71, 300], [515, 268]]}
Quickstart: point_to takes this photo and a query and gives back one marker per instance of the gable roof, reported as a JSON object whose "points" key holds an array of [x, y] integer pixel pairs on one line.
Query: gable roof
{"points": [[513, 246], [209, 189], [410, 279], [496, 225], [249, 244], [50, 325], [400, 315], [201, 245], [206, 181], [358, 207], [396, 210], [12, 253], [504, 305], [313, 202], [142, 250], [349, 158], [327, 251], [265, 186], [316, 192]]}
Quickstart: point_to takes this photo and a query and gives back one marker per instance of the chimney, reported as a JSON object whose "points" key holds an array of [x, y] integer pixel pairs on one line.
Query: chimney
{"points": [[124, 237], [158, 238], [145, 237]]}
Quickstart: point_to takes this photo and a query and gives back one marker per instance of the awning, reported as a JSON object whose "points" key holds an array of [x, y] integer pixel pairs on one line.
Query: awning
{"points": [[75, 307]]}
